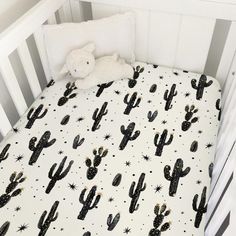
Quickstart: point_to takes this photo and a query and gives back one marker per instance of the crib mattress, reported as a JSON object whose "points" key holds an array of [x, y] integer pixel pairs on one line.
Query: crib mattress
{"points": [[130, 157]]}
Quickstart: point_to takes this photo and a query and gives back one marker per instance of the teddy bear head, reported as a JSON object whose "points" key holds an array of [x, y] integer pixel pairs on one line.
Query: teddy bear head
{"points": [[80, 62]]}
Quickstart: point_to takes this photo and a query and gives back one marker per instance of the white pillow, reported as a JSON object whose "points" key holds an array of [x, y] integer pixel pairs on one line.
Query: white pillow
{"points": [[111, 34]]}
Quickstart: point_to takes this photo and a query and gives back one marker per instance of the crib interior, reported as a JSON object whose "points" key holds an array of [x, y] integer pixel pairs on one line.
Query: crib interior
{"points": [[194, 35]]}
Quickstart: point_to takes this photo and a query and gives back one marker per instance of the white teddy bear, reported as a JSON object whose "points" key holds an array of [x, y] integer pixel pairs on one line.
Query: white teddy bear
{"points": [[81, 64]]}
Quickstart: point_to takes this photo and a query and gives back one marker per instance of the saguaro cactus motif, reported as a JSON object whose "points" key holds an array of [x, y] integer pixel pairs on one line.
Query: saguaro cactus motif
{"points": [[4, 228], [202, 83], [132, 103], [188, 117], [15, 179], [59, 174], [43, 223], [202, 207], [70, 87], [134, 194], [77, 141], [102, 87], [128, 134], [152, 115], [137, 71], [194, 146], [112, 222], [87, 233], [177, 173], [97, 116], [38, 148], [34, 114], [4, 155], [87, 203], [65, 120], [98, 155], [160, 213], [169, 97], [218, 107], [117, 179], [162, 141], [153, 88]]}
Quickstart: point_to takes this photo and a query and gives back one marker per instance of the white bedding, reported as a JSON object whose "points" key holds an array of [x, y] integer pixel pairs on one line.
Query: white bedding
{"points": [[121, 141]]}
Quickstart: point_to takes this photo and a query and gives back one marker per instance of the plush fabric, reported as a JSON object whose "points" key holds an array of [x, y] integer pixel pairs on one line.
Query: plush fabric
{"points": [[81, 65], [110, 35], [131, 157]]}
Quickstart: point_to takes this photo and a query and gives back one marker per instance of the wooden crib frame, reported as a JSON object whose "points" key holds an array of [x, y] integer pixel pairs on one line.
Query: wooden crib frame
{"points": [[177, 34]]}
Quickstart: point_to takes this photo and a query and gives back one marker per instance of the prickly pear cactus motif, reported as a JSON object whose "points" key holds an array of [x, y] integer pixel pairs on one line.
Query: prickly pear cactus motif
{"points": [[99, 161]]}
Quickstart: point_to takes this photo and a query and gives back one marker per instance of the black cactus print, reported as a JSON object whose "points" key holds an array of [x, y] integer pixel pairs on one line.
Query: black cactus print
{"points": [[87, 203], [4, 228], [35, 114], [128, 134], [77, 141], [177, 173], [132, 103], [98, 155], [59, 174], [189, 119], [202, 83], [153, 88], [202, 207], [38, 148], [4, 155], [169, 97], [210, 169], [152, 115], [160, 213], [218, 107], [87, 233], [194, 146], [162, 141], [51, 83], [102, 87], [112, 222], [43, 223], [134, 194], [97, 116], [116, 181], [65, 120], [70, 87], [15, 180], [137, 71]]}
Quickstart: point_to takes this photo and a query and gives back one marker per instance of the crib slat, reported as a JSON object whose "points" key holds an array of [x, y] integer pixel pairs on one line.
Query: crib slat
{"points": [[5, 125], [77, 14], [65, 12], [30, 72], [103, 10], [13, 86], [163, 38], [39, 40], [194, 42], [52, 20]]}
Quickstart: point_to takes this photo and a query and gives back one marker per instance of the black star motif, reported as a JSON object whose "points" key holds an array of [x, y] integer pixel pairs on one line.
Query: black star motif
{"points": [[209, 145], [22, 228], [164, 122], [127, 163], [146, 157], [199, 131], [198, 181], [17, 208], [72, 186], [127, 230], [75, 106], [149, 101], [15, 130], [80, 119], [176, 73], [60, 152], [187, 94], [117, 92], [42, 97], [158, 188], [111, 199], [107, 136], [19, 158]]}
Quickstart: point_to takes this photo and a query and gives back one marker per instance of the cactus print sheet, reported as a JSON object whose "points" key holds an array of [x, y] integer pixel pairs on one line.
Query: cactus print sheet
{"points": [[131, 157]]}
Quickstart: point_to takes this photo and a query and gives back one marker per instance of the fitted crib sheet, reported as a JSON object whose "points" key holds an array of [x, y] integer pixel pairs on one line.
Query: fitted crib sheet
{"points": [[128, 157]]}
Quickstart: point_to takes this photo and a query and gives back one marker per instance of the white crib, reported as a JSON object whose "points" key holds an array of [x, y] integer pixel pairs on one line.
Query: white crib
{"points": [[178, 34]]}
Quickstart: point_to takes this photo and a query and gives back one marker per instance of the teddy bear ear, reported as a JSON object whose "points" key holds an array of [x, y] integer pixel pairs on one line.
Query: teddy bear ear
{"points": [[64, 70], [89, 47]]}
